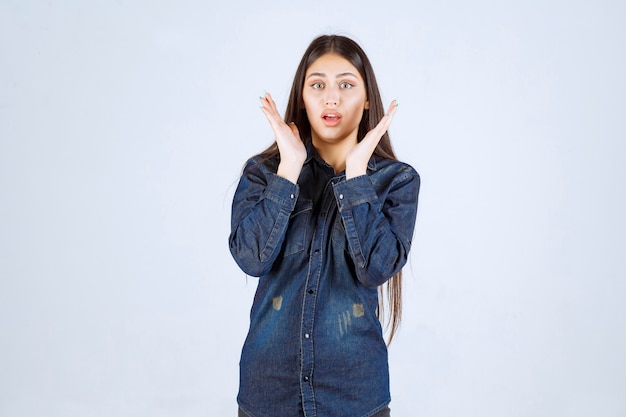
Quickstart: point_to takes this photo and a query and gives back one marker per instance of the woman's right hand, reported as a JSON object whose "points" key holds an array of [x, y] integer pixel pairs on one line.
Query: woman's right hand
{"points": [[291, 148]]}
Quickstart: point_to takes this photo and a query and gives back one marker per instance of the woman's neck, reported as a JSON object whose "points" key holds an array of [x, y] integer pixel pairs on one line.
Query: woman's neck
{"points": [[334, 153]]}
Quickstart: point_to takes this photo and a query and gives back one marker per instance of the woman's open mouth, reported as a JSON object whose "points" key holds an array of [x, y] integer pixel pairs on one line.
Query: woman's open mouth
{"points": [[331, 118]]}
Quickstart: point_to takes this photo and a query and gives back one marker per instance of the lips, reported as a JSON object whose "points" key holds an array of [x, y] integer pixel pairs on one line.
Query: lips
{"points": [[331, 118]]}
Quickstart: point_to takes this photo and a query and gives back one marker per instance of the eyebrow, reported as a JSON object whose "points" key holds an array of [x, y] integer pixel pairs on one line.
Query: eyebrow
{"points": [[321, 74]]}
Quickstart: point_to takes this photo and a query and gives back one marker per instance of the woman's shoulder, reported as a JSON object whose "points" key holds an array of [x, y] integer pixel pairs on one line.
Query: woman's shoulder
{"points": [[261, 163], [397, 169]]}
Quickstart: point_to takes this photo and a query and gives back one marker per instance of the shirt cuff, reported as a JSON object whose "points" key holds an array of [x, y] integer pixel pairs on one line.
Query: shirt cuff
{"points": [[282, 191], [355, 191]]}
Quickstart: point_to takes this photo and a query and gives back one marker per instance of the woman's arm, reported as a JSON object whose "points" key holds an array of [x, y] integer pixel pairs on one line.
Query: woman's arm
{"points": [[260, 214], [379, 231], [266, 197]]}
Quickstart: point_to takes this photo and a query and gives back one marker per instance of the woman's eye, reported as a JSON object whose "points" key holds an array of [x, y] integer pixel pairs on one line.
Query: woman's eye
{"points": [[346, 85], [318, 85]]}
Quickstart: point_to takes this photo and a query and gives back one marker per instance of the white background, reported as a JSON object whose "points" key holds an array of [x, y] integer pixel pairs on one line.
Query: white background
{"points": [[124, 127]]}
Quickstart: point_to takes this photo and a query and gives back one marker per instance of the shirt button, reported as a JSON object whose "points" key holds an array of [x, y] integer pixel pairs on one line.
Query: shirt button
{"points": [[306, 379], [317, 251], [341, 196], [292, 196], [311, 291], [306, 336]]}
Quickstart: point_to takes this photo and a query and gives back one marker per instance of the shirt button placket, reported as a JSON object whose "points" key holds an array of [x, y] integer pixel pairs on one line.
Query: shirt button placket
{"points": [[313, 278], [308, 340]]}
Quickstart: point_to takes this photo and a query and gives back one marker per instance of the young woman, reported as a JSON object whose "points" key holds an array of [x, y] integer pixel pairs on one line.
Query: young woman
{"points": [[324, 217]]}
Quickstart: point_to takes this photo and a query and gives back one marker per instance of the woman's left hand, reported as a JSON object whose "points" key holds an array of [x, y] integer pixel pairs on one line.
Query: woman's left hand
{"points": [[359, 156]]}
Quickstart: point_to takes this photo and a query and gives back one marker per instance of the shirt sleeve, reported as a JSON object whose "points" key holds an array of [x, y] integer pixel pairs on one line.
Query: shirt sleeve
{"points": [[260, 214], [379, 229]]}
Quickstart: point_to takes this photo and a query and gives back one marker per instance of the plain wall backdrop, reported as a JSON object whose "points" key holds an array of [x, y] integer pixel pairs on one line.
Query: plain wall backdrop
{"points": [[123, 130]]}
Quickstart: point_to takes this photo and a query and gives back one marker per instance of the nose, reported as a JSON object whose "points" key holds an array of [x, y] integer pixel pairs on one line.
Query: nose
{"points": [[331, 98]]}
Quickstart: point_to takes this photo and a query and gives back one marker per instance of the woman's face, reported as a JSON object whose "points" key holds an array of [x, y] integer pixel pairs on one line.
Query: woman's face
{"points": [[334, 98]]}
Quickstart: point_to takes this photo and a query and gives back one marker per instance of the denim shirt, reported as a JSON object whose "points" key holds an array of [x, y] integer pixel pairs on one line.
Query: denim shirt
{"points": [[321, 248]]}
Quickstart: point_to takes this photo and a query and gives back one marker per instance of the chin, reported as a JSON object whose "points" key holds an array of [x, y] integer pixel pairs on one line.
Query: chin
{"points": [[330, 139], [332, 135]]}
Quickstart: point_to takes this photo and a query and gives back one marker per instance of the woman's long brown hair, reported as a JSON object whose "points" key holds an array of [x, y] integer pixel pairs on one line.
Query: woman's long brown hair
{"points": [[295, 112]]}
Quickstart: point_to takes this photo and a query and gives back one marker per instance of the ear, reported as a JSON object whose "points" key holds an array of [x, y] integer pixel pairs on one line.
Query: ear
{"points": [[367, 105]]}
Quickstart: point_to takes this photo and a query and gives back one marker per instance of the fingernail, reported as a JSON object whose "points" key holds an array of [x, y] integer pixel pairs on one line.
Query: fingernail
{"points": [[396, 102]]}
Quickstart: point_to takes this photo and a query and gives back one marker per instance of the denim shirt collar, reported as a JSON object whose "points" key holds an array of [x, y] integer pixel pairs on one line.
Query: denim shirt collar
{"points": [[312, 153]]}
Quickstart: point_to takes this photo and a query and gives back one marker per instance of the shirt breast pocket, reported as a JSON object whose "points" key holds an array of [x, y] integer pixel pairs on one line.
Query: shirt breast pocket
{"points": [[339, 234], [298, 229]]}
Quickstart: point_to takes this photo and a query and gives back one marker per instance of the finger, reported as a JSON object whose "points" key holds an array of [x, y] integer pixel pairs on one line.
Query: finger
{"points": [[375, 135], [268, 105], [391, 111], [271, 111], [393, 106], [385, 122], [271, 102]]}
